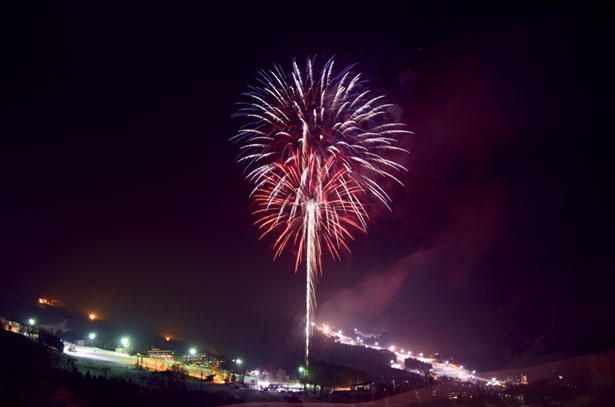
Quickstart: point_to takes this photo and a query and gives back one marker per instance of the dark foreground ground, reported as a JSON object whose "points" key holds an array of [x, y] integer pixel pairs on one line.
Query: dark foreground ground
{"points": [[34, 375]]}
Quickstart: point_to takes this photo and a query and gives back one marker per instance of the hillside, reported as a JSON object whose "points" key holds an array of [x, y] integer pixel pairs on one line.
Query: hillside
{"points": [[35, 375], [73, 326]]}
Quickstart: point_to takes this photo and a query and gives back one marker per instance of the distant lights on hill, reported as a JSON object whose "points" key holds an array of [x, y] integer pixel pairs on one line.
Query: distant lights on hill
{"points": [[50, 302]]}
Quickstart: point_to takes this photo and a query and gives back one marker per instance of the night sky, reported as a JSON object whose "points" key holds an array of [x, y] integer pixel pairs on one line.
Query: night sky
{"points": [[121, 194]]}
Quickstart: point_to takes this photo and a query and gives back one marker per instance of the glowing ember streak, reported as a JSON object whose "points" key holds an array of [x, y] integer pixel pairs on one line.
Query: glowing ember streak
{"points": [[314, 148]]}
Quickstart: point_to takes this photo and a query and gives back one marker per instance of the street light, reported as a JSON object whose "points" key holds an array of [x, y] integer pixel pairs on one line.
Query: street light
{"points": [[192, 351], [125, 342], [30, 330], [92, 336], [238, 362], [302, 374]]}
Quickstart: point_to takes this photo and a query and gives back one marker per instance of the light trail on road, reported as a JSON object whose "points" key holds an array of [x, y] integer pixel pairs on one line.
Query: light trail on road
{"points": [[439, 367]]}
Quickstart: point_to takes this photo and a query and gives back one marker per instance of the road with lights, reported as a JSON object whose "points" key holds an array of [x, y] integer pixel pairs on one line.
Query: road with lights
{"points": [[439, 367], [87, 352]]}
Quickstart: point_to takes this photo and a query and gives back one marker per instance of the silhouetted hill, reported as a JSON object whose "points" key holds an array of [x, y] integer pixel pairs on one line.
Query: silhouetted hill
{"points": [[73, 326], [369, 364], [22, 357], [374, 362], [33, 375], [534, 324]]}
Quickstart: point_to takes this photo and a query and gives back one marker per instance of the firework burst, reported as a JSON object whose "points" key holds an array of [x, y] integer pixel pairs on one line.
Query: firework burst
{"points": [[315, 147]]}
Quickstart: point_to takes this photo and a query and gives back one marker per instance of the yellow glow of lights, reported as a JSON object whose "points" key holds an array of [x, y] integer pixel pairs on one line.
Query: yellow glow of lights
{"points": [[49, 302], [92, 316]]}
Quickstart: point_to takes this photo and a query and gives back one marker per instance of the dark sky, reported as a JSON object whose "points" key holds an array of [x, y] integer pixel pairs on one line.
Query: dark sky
{"points": [[121, 195]]}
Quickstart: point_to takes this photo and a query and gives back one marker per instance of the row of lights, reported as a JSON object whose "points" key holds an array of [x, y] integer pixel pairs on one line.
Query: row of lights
{"points": [[92, 335], [124, 341], [392, 348]]}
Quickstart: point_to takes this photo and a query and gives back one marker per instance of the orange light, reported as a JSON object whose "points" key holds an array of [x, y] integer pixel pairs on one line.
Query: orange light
{"points": [[92, 316]]}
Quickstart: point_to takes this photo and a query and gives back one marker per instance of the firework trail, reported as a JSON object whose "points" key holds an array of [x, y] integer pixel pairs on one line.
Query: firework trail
{"points": [[315, 144]]}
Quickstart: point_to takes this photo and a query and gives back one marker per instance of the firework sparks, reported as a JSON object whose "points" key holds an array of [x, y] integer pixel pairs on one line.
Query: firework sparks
{"points": [[315, 146]]}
